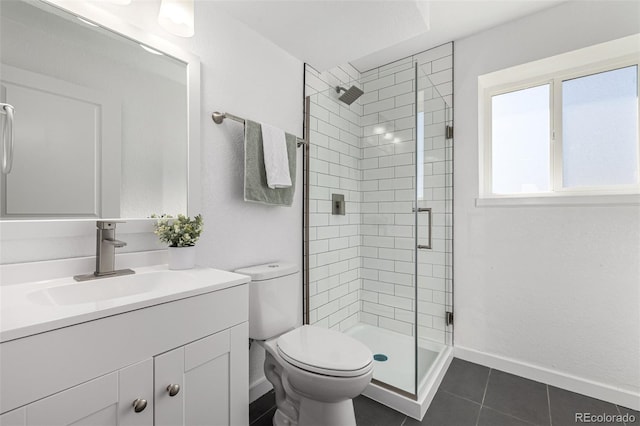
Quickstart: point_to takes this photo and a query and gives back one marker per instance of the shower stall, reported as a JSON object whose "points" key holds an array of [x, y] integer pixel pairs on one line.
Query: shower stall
{"points": [[379, 218]]}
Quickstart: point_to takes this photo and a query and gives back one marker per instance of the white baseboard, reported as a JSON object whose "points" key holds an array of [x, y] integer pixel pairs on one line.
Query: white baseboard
{"points": [[259, 388], [552, 377]]}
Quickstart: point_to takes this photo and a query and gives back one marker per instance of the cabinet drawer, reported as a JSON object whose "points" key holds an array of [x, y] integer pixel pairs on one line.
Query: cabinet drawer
{"points": [[94, 402]]}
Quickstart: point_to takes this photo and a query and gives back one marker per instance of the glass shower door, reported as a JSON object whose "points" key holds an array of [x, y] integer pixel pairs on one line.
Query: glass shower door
{"points": [[388, 223], [434, 222]]}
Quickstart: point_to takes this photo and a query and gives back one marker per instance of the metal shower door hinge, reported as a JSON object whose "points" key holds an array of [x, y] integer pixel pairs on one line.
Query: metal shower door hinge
{"points": [[448, 132], [449, 317]]}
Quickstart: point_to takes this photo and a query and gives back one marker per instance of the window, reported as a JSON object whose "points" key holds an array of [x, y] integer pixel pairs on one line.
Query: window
{"points": [[600, 129], [572, 130], [520, 126]]}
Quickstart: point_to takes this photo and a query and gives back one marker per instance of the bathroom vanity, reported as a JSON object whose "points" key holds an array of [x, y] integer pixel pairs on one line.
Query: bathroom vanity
{"points": [[158, 347]]}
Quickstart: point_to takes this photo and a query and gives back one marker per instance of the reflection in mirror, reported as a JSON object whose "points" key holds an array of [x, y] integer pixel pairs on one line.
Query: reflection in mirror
{"points": [[100, 120]]}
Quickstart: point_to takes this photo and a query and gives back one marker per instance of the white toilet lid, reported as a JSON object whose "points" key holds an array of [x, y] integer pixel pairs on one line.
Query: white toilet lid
{"points": [[324, 351]]}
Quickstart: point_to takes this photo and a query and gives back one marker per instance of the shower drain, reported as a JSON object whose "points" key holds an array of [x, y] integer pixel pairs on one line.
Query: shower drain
{"points": [[380, 357]]}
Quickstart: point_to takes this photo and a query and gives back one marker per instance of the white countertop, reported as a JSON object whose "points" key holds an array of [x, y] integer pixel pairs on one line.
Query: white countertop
{"points": [[37, 307]]}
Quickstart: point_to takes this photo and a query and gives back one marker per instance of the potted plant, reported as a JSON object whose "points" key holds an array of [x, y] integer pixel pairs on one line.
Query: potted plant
{"points": [[181, 234]]}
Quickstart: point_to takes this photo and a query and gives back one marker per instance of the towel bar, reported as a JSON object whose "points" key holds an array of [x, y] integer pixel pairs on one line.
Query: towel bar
{"points": [[218, 118]]}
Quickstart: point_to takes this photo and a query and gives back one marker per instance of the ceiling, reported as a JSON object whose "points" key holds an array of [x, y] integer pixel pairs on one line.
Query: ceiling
{"points": [[367, 34]]}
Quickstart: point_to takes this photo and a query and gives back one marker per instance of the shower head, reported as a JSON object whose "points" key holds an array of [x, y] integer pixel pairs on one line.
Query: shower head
{"points": [[350, 95]]}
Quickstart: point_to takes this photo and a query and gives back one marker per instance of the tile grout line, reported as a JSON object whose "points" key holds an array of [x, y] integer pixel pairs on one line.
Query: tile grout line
{"points": [[484, 394], [549, 405], [460, 397], [620, 413], [512, 416]]}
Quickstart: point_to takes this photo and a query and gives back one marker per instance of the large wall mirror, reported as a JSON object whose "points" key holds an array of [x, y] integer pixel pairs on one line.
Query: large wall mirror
{"points": [[101, 121]]}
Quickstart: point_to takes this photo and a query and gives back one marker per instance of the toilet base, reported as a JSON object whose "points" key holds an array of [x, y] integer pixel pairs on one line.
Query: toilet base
{"points": [[314, 413]]}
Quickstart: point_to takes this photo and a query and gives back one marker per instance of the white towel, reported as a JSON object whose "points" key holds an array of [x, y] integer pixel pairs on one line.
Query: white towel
{"points": [[276, 160]]}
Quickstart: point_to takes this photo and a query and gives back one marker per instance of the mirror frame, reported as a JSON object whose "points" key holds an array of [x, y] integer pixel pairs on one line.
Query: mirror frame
{"points": [[57, 228]]}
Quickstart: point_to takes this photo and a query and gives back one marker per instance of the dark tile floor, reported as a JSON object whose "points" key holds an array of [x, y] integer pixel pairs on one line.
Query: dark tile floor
{"points": [[474, 395]]}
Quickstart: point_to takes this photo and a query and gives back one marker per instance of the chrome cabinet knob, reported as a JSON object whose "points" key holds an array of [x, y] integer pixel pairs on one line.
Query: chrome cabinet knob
{"points": [[173, 389], [139, 405]]}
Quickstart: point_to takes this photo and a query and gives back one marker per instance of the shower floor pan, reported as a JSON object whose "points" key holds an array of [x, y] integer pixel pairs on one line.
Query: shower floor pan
{"points": [[397, 370]]}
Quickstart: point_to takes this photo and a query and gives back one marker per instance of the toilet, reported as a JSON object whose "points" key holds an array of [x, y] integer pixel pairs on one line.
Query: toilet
{"points": [[315, 372]]}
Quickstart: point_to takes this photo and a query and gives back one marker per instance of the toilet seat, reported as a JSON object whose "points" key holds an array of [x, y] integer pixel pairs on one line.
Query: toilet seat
{"points": [[327, 352]]}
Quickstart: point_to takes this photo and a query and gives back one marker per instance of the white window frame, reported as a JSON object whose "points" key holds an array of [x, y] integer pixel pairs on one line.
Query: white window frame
{"points": [[553, 71]]}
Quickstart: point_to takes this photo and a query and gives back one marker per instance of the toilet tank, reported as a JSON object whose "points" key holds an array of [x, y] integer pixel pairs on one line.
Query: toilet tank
{"points": [[275, 300]]}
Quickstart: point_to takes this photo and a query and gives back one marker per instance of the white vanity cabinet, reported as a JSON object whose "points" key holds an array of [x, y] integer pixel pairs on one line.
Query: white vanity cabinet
{"points": [[187, 359]]}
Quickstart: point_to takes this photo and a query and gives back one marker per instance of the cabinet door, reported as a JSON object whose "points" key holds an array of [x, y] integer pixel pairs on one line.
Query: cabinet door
{"points": [[213, 377], [105, 401], [16, 417], [169, 371], [135, 384]]}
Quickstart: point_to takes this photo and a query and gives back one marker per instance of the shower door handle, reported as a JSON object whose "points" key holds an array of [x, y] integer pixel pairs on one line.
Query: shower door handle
{"points": [[429, 226], [7, 138]]}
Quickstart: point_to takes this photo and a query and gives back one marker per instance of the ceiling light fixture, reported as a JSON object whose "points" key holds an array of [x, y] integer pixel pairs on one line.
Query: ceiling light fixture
{"points": [[176, 16]]}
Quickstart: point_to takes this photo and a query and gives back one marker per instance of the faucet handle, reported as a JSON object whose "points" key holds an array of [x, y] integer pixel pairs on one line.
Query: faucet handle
{"points": [[108, 224]]}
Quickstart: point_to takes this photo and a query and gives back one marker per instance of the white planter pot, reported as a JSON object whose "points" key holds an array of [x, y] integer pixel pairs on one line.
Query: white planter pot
{"points": [[182, 257]]}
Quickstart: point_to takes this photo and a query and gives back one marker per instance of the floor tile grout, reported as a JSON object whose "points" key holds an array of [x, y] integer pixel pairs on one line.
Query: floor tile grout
{"points": [[482, 405], [484, 394], [461, 397], [620, 413], [549, 405], [508, 415], [486, 386]]}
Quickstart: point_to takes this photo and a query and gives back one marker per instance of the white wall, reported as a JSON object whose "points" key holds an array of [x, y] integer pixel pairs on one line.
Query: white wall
{"points": [[246, 75], [555, 288]]}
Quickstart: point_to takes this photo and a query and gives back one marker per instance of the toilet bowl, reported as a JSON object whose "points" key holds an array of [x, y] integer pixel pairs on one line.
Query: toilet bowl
{"points": [[315, 372]]}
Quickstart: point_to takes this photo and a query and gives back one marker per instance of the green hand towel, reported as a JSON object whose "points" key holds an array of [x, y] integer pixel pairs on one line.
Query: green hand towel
{"points": [[255, 175]]}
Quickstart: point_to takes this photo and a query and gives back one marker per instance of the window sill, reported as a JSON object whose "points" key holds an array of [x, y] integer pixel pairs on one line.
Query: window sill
{"points": [[561, 200]]}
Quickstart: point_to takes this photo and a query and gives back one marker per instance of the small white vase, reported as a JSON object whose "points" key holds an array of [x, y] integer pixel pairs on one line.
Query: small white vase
{"points": [[182, 257]]}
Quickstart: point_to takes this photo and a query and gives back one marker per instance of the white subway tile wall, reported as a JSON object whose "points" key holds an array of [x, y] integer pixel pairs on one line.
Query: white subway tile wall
{"points": [[334, 248], [363, 263]]}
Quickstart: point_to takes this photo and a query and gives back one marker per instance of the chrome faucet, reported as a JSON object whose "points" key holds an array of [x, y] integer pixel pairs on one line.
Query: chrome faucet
{"points": [[106, 245]]}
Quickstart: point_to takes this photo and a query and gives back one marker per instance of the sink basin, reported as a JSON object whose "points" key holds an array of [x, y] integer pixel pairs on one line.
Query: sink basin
{"points": [[105, 289], [38, 306]]}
